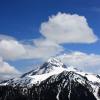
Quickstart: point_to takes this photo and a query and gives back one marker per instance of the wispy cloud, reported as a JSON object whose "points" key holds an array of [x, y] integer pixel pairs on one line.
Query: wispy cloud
{"points": [[96, 9]]}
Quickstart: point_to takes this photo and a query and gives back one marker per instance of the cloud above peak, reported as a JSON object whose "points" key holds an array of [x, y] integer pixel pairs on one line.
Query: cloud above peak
{"points": [[59, 29], [68, 28], [81, 60], [12, 49]]}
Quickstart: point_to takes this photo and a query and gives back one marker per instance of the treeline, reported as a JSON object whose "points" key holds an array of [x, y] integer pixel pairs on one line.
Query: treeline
{"points": [[48, 91]]}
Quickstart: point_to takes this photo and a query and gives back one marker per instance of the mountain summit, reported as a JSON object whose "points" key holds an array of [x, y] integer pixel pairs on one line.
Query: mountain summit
{"points": [[52, 81]]}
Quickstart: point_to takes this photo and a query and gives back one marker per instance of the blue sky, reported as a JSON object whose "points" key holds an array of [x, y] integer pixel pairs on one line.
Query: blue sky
{"points": [[22, 19]]}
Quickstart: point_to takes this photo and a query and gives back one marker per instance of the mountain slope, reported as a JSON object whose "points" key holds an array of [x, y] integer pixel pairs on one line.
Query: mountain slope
{"points": [[53, 80]]}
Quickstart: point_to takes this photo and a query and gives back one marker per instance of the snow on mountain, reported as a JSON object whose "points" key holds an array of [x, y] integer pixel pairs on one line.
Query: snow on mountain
{"points": [[49, 68], [53, 66]]}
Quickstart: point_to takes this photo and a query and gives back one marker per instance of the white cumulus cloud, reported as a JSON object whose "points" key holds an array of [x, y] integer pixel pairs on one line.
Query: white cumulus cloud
{"points": [[11, 49], [89, 62], [59, 29], [43, 49], [68, 28], [7, 68]]}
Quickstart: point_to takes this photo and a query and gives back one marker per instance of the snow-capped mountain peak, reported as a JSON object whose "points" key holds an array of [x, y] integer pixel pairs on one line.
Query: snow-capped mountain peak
{"points": [[50, 66], [54, 67], [55, 61]]}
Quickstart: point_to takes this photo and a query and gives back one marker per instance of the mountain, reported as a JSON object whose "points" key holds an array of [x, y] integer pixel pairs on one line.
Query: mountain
{"points": [[52, 81]]}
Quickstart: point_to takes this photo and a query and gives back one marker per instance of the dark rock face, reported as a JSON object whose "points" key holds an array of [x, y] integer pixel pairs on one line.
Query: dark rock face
{"points": [[99, 92], [65, 86]]}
